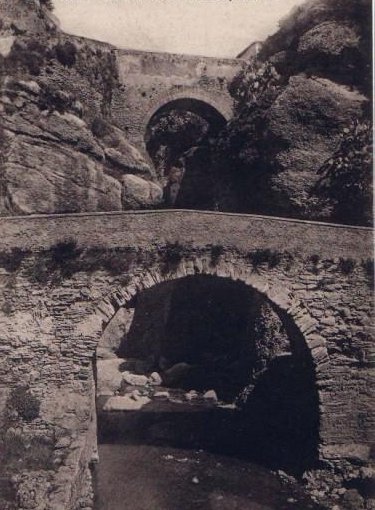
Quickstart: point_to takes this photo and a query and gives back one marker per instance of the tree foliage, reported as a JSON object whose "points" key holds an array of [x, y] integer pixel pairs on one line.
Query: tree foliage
{"points": [[346, 178], [48, 4], [172, 134], [251, 83]]}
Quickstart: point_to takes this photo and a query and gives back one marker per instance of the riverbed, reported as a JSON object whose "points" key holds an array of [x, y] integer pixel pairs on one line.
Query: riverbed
{"points": [[154, 477]]}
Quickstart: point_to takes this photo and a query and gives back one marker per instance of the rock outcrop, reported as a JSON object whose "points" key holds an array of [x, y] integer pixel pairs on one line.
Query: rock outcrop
{"points": [[293, 107], [60, 152]]}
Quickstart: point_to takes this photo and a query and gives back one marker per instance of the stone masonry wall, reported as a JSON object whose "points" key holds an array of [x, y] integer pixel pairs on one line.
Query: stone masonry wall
{"points": [[148, 80], [55, 305]]}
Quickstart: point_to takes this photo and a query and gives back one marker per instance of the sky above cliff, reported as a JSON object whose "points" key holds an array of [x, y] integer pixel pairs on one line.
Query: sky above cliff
{"points": [[198, 27]]}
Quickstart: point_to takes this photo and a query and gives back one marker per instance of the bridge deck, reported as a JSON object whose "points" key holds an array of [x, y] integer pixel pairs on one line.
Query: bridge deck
{"points": [[198, 228]]}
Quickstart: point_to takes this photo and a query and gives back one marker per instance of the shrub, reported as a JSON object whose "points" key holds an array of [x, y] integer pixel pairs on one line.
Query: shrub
{"points": [[7, 308], [66, 53], [12, 260], [64, 251], [39, 272], [346, 178], [172, 256], [100, 127], [346, 266], [260, 257], [48, 4], [51, 98], [29, 55], [117, 262], [25, 403], [251, 83], [216, 252], [314, 259], [368, 266]]}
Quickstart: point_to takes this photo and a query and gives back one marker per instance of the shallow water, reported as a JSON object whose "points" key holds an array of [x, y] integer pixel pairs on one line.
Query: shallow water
{"points": [[151, 477]]}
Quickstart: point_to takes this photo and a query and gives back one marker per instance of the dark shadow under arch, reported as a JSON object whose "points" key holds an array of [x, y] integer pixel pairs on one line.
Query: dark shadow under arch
{"points": [[278, 424], [178, 140], [204, 109]]}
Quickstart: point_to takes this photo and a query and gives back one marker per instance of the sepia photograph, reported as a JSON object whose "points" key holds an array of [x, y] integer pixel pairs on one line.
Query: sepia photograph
{"points": [[186, 255]]}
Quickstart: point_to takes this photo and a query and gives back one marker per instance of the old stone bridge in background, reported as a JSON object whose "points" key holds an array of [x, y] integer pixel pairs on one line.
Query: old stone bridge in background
{"points": [[150, 83], [63, 278]]}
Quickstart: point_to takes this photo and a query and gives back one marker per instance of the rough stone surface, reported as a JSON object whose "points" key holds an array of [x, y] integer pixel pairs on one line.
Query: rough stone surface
{"points": [[109, 377], [117, 329], [137, 193], [307, 119], [135, 379], [50, 329], [155, 379], [56, 91]]}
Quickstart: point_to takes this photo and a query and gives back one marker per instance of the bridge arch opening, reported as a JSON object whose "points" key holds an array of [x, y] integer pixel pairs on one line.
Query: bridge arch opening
{"points": [[178, 139], [187, 336]]}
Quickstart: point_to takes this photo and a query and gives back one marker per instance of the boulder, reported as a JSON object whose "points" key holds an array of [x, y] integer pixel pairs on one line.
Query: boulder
{"points": [[191, 395], [210, 395], [118, 151], [135, 379], [175, 375], [155, 379], [126, 403], [352, 500], [137, 193], [161, 394], [103, 353]]}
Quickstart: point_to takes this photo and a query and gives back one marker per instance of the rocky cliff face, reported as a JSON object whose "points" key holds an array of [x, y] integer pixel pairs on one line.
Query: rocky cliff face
{"points": [[293, 108], [60, 151], [297, 108]]}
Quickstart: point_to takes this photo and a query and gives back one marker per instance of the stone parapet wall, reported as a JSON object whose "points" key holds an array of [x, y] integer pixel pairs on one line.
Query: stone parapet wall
{"points": [[195, 228], [149, 80]]}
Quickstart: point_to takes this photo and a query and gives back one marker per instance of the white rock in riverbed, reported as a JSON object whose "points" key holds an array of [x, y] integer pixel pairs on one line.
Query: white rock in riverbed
{"points": [[155, 379], [125, 403], [210, 395], [135, 379], [161, 394]]}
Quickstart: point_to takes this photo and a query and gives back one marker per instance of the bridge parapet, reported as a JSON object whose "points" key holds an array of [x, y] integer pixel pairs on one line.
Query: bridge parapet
{"points": [[197, 228]]}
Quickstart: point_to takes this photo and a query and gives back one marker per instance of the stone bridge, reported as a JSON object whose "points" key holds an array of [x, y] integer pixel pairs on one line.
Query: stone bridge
{"points": [[64, 277], [154, 82]]}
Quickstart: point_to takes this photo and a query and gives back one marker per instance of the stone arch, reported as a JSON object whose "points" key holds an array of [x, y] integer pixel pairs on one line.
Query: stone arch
{"points": [[196, 100], [281, 297], [221, 103], [285, 303]]}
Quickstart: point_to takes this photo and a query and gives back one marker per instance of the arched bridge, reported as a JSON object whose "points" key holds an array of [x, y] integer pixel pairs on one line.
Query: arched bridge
{"points": [[64, 278], [151, 81]]}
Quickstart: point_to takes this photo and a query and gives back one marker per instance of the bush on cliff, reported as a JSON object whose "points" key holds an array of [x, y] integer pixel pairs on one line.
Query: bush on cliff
{"points": [[346, 178], [48, 4], [329, 38], [66, 53]]}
